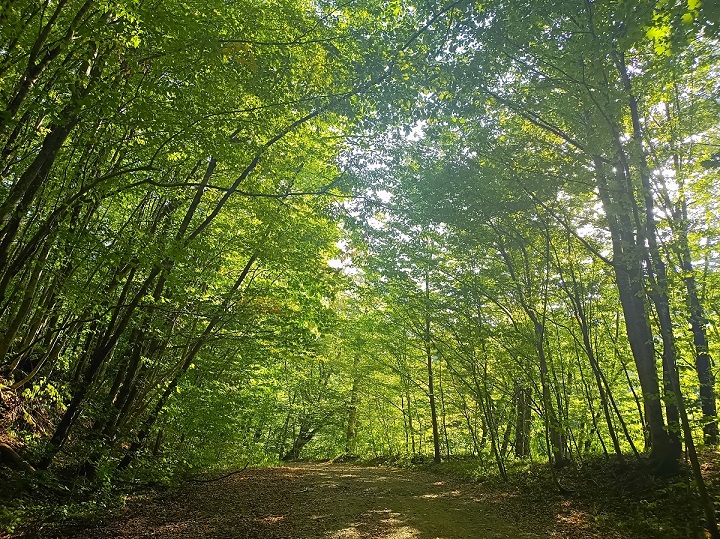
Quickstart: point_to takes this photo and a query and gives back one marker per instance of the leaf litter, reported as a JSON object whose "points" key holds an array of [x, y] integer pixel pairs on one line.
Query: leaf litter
{"points": [[341, 501]]}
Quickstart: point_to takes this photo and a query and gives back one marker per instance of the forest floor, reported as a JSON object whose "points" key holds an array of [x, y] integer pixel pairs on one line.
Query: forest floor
{"points": [[343, 501]]}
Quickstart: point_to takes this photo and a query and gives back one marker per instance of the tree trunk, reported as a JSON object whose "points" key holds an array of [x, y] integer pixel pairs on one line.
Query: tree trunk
{"points": [[443, 415], [304, 436], [351, 429], [96, 360], [581, 317], [429, 359], [522, 422], [627, 265]]}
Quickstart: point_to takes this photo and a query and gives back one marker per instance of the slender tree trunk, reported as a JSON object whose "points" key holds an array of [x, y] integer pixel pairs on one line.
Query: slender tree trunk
{"points": [[186, 362], [410, 419], [443, 417], [97, 359], [485, 402], [351, 430], [17, 320], [591, 406], [429, 358], [522, 425], [433, 411], [698, 321], [581, 317], [554, 429]]}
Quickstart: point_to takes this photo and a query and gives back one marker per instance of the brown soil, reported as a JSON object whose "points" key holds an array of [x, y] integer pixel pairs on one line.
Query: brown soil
{"points": [[338, 501]]}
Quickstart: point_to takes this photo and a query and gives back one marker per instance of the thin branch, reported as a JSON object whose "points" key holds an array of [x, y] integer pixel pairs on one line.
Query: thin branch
{"points": [[569, 229]]}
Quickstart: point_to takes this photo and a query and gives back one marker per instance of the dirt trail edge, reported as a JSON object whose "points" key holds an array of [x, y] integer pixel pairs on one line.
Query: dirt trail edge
{"points": [[333, 501]]}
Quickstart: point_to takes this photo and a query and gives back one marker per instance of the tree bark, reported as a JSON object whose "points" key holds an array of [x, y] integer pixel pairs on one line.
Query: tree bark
{"points": [[429, 360], [351, 429], [627, 265]]}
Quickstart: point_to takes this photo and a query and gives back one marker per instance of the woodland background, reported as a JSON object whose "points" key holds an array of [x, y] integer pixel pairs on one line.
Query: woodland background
{"points": [[242, 232]]}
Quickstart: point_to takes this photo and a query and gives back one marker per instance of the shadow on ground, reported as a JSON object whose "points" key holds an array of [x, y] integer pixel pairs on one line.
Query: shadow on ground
{"points": [[331, 501]]}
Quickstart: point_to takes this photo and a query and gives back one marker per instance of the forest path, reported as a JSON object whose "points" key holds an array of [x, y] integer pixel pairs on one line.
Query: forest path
{"points": [[331, 501]]}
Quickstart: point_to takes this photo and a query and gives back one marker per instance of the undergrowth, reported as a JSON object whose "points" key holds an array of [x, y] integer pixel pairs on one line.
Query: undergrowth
{"points": [[63, 499], [626, 497]]}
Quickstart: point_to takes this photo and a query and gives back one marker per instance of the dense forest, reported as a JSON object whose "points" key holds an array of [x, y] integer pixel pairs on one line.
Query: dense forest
{"points": [[248, 231]]}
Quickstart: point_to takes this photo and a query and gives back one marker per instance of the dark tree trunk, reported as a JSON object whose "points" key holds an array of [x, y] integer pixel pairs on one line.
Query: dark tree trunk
{"points": [[351, 429], [522, 421], [429, 359], [304, 436], [627, 264]]}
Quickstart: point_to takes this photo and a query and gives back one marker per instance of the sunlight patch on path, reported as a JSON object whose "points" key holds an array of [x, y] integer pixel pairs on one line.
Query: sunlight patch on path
{"points": [[320, 501]]}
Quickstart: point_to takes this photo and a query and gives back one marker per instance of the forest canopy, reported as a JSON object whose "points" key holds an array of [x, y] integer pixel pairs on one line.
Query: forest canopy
{"points": [[251, 231]]}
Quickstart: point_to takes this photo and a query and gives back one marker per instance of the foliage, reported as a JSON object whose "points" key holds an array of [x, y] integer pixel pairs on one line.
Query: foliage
{"points": [[252, 232]]}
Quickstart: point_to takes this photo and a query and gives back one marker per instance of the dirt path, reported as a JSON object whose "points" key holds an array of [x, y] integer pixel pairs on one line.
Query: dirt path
{"points": [[328, 501]]}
